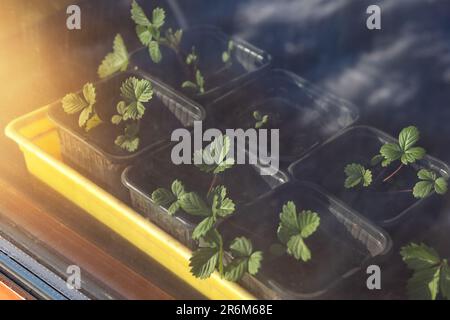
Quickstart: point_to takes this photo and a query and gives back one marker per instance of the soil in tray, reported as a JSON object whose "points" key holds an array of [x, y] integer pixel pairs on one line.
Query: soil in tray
{"points": [[173, 70], [243, 182], [381, 201], [334, 251], [299, 128], [156, 126]]}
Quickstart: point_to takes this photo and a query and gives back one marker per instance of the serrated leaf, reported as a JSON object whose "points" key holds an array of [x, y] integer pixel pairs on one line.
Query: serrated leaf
{"points": [[178, 189], [84, 116], [241, 247], [440, 186], [203, 262], [115, 61], [288, 216], [413, 154], [93, 122], [391, 152], [357, 174], [158, 17], [419, 256], [130, 144], [297, 248], [154, 51], [424, 284], [203, 227], [138, 15], [73, 103], [236, 269], [444, 282], [423, 189], [425, 174], [254, 262], [163, 197], [144, 34], [194, 205], [408, 137], [135, 92], [221, 205], [308, 222]]}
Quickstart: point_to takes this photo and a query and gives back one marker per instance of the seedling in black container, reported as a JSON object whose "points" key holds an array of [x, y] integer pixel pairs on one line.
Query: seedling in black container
{"points": [[73, 103], [130, 110], [295, 228], [431, 273], [407, 153]]}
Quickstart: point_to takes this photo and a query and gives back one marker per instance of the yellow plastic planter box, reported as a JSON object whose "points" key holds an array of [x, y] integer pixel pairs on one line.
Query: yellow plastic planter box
{"points": [[39, 142]]}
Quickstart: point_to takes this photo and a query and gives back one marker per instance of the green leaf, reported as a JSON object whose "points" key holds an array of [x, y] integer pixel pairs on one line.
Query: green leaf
{"points": [[138, 15], [236, 269], [214, 157], [241, 247], [84, 116], [203, 262], [391, 152], [158, 18], [200, 81], [440, 186], [257, 115], [203, 227], [116, 119], [135, 92], [73, 103], [129, 141], [419, 256], [194, 205], [130, 144], [115, 61], [189, 84], [430, 182], [308, 222], [163, 197], [424, 284], [423, 189], [297, 248], [288, 216], [408, 137], [357, 174], [221, 205], [254, 262], [144, 34], [244, 259], [445, 280], [225, 57], [178, 189], [376, 160], [93, 122], [413, 154], [154, 51]]}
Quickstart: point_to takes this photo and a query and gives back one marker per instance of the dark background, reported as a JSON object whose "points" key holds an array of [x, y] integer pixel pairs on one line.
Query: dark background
{"points": [[397, 76]]}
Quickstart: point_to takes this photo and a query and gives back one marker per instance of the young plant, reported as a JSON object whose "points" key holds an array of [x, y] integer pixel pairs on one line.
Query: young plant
{"points": [[357, 175], [245, 259], [429, 182], [170, 199], [405, 150], [115, 61], [149, 32], [295, 228], [261, 120], [85, 105], [431, 273], [130, 110], [217, 206], [199, 84], [226, 55]]}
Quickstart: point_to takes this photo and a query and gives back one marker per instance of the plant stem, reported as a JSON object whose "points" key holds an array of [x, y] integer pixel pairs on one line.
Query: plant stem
{"points": [[393, 173], [213, 182]]}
